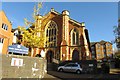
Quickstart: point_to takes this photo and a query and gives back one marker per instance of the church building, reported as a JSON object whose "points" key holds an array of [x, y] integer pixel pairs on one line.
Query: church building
{"points": [[65, 38]]}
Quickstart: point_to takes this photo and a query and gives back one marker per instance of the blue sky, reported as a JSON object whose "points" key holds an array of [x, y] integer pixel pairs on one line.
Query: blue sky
{"points": [[99, 17]]}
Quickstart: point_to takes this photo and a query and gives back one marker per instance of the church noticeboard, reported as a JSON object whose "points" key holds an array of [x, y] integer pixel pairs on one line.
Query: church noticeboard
{"points": [[16, 48]]}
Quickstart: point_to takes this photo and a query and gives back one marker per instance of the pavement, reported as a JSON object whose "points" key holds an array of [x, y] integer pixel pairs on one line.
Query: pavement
{"points": [[49, 77], [115, 71]]}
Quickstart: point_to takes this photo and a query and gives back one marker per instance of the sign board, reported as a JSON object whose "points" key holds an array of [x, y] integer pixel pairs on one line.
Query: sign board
{"points": [[90, 65], [16, 48], [16, 62]]}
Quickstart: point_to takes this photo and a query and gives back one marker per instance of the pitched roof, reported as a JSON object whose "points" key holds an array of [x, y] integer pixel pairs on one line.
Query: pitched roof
{"points": [[3, 14], [57, 13], [102, 42], [92, 43], [14, 29]]}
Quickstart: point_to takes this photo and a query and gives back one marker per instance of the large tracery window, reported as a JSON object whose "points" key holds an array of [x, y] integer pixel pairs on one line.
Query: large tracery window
{"points": [[75, 37], [51, 34]]}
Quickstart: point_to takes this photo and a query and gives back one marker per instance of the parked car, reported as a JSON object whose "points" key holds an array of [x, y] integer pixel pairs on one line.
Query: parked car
{"points": [[71, 67]]}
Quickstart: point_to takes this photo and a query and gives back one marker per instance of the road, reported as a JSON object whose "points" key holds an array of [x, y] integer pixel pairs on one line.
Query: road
{"points": [[73, 76], [114, 75]]}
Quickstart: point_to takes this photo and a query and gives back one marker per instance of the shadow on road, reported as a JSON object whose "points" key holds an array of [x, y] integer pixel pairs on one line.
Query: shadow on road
{"points": [[73, 76], [52, 70]]}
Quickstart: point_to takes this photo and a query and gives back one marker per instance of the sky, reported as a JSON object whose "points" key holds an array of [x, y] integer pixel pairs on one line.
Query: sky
{"points": [[99, 17]]}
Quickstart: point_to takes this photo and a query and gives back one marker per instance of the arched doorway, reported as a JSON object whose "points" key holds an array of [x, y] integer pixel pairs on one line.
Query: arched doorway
{"points": [[49, 56], [75, 55]]}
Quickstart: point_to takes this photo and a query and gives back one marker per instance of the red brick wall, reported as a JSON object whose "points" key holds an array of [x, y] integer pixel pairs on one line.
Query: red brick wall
{"points": [[6, 34], [62, 48]]}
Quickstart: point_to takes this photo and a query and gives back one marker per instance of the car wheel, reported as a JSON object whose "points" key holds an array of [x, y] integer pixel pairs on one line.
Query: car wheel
{"points": [[78, 72], [61, 70]]}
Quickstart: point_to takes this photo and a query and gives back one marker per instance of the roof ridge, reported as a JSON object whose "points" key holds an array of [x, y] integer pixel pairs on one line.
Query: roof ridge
{"points": [[70, 19]]}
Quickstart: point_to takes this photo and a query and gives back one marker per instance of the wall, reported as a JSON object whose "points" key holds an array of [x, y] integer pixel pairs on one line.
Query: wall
{"points": [[99, 51], [108, 50], [34, 67], [6, 34]]}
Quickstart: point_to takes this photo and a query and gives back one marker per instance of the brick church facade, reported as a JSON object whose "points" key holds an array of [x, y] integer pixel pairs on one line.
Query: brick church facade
{"points": [[65, 38]]}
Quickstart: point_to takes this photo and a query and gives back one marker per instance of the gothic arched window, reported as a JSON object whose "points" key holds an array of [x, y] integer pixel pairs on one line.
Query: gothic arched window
{"points": [[75, 37], [51, 34]]}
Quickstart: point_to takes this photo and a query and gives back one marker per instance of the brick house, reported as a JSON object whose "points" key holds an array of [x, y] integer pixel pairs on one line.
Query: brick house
{"points": [[65, 38], [6, 35], [101, 49]]}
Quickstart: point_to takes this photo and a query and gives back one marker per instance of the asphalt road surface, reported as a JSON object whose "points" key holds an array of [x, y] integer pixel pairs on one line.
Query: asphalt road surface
{"points": [[74, 76]]}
